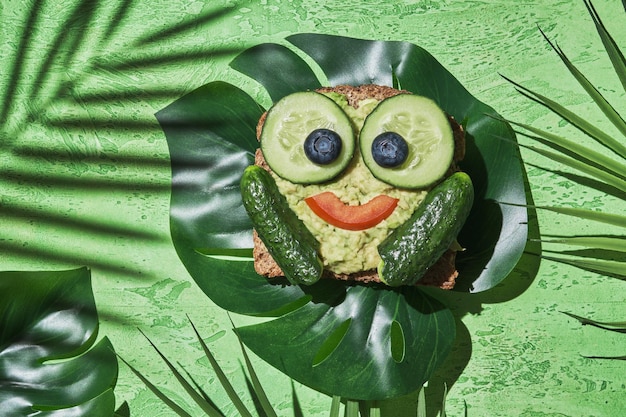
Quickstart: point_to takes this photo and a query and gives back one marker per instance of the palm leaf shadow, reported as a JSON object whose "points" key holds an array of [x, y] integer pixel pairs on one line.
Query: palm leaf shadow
{"points": [[14, 74], [53, 65]]}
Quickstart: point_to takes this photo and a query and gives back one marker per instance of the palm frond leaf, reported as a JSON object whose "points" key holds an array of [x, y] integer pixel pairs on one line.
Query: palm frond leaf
{"points": [[297, 408], [156, 391], [374, 411], [421, 403], [581, 123], [352, 409], [619, 327], [198, 388], [256, 383], [221, 376], [582, 166], [611, 243], [335, 406], [580, 151], [609, 111], [618, 358], [615, 54], [587, 214], [602, 266], [188, 387]]}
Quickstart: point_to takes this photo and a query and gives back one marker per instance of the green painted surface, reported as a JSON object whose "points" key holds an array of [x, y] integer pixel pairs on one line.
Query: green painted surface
{"points": [[86, 182]]}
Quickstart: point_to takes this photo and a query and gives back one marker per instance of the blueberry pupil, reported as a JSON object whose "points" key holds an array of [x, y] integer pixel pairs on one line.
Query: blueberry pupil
{"points": [[389, 150], [322, 146]]}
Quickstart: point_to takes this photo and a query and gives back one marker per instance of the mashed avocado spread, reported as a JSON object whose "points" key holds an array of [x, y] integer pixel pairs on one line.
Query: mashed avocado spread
{"points": [[346, 251]]}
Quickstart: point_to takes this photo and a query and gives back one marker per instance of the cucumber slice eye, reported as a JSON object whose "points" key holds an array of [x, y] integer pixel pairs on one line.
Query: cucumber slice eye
{"points": [[425, 129], [290, 132]]}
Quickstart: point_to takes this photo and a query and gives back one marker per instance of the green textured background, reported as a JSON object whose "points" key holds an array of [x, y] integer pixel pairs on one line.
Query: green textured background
{"points": [[72, 193]]}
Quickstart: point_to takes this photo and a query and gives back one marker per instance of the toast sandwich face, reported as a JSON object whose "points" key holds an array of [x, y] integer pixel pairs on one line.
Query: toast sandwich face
{"points": [[353, 211]]}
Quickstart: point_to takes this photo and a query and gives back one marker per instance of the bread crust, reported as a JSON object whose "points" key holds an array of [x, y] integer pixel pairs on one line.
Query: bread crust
{"points": [[442, 274]]}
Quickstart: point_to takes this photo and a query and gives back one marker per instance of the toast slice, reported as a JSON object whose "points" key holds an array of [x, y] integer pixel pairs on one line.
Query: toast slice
{"points": [[442, 274]]}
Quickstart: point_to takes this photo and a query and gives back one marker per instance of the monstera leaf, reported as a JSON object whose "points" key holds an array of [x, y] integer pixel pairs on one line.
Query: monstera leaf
{"points": [[49, 365], [360, 342]]}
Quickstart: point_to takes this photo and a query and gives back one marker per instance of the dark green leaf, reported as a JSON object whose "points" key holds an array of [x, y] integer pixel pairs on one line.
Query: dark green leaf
{"points": [[48, 360], [295, 74], [291, 343], [211, 136]]}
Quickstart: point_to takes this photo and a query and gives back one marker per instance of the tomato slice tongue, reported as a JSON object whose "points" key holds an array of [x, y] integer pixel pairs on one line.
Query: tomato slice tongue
{"points": [[332, 210]]}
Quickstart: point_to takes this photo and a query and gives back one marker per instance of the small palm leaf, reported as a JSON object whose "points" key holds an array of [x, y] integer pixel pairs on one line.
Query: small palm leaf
{"points": [[197, 397], [620, 66], [612, 219], [352, 408], [335, 406], [601, 266]]}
